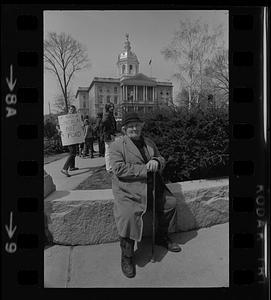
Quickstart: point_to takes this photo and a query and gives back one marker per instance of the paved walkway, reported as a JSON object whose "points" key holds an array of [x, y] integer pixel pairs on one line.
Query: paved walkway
{"points": [[203, 262], [64, 183]]}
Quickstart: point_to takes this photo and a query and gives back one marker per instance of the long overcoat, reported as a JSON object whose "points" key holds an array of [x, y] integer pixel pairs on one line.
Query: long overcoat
{"points": [[129, 184], [108, 126]]}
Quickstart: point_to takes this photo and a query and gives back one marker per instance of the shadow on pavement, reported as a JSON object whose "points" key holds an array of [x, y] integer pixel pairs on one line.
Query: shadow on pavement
{"points": [[80, 173], [93, 168], [183, 237], [54, 196], [143, 251]]}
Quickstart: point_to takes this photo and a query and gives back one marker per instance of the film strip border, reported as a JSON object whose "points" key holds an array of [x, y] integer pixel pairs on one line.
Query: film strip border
{"points": [[248, 179], [22, 158], [22, 155]]}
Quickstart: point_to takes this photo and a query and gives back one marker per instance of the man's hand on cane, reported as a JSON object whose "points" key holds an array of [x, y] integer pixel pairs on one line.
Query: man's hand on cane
{"points": [[152, 165]]}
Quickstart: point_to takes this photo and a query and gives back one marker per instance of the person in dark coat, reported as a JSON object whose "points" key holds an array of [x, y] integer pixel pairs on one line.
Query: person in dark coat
{"points": [[98, 133], [135, 159], [80, 147], [88, 145], [109, 127], [70, 162]]}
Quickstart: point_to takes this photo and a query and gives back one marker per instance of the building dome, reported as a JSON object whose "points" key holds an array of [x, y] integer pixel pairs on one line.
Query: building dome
{"points": [[127, 60], [126, 54]]}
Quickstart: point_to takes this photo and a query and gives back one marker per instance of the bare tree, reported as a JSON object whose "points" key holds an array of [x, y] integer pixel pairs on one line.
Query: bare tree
{"points": [[64, 56], [217, 71], [60, 104], [191, 47]]}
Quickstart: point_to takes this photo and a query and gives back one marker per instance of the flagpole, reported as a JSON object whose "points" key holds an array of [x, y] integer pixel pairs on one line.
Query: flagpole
{"points": [[150, 64]]}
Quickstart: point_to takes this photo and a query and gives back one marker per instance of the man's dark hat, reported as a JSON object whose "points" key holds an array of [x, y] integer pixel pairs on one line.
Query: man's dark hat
{"points": [[130, 117]]}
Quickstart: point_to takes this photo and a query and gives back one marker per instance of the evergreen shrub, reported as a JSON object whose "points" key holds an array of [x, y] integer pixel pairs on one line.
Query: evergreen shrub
{"points": [[195, 144]]}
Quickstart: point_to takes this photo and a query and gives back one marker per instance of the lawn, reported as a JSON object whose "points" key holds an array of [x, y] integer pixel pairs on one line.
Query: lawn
{"points": [[99, 180]]}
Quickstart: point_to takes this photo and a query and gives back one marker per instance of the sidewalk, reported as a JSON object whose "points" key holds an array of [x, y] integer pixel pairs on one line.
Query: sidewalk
{"points": [[203, 262], [64, 183]]}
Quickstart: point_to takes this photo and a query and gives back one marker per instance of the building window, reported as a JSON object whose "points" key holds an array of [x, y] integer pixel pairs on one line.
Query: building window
{"points": [[130, 109], [100, 90], [100, 98], [116, 100], [108, 91], [130, 69], [150, 109], [141, 109], [149, 93], [161, 93], [115, 90], [123, 69], [140, 93], [108, 99], [84, 104]]}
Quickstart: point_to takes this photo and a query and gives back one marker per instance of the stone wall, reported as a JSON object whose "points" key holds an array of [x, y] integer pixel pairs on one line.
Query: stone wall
{"points": [[49, 186], [86, 217]]}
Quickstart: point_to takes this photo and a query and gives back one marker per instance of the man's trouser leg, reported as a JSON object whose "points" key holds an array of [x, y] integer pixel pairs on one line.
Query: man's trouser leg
{"points": [[86, 147], [166, 214], [127, 257], [70, 162], [101, 146]]}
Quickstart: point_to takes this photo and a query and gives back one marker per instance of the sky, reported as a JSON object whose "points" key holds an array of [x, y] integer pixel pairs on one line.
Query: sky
{"points": [[103, 34]]}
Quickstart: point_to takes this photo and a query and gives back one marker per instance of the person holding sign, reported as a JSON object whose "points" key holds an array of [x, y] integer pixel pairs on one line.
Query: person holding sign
{"points": [[70, 133]]}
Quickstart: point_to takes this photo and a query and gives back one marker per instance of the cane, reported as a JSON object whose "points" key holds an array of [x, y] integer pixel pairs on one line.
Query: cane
{"points": [[153, 220]]}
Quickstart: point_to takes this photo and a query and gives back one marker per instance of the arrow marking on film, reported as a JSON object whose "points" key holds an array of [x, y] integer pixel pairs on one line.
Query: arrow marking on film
{"points": [[10, 82], [9, 229]]}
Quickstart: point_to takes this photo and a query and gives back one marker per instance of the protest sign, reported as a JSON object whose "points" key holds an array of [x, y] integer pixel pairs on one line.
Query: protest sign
{"points": [[71, 129]]}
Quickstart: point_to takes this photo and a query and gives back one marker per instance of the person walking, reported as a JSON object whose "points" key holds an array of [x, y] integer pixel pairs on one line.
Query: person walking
{"points": [[135, 160], [98, 133], [88, 145], [70, 162], [108, 132]]}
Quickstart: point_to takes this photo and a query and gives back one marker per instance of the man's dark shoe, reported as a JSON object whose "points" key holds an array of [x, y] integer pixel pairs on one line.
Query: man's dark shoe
{"points": [[74, 169], [66, 173], [168, 244], [128, 266]]}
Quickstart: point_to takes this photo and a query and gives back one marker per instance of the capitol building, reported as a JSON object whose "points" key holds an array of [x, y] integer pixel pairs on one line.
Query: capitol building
{"points": [[131, 91]]}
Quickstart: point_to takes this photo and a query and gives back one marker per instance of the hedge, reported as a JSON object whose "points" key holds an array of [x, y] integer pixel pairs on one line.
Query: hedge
{"points": [[195, 144]]}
